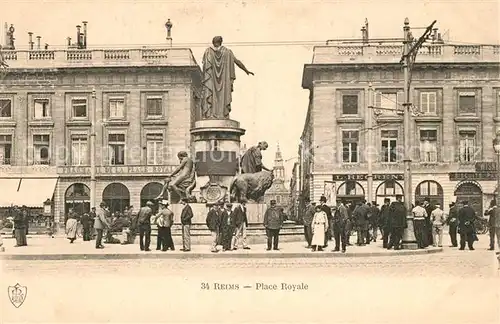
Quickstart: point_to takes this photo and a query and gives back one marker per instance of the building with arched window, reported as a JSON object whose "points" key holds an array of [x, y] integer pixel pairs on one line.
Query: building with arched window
{"points": [[455, 117], [146, 101]]}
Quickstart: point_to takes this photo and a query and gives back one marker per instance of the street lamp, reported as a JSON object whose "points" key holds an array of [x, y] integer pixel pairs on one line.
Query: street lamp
{"points": [[93, 180], [496, 147]]}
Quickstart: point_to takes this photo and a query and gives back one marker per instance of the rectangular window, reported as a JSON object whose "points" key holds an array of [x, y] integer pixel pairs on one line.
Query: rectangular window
{"points": [[388, 103], [389, 143], [41, 108], [428, 103], [5, 108], [79, 107], [350, 146], [467, 146], [154, 149], [349, 104], [41, 149], [428, 145], [116, 145], [154, 107], [116, 108], [5, 149], [467, 103], [79, 150]]}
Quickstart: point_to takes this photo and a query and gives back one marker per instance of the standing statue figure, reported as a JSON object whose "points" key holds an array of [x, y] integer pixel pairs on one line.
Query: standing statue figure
{"points": [[251, 161], [218, 77], [183, 180]]}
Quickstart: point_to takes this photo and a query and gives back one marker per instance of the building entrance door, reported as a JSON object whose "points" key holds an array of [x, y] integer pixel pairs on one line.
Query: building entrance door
{"points": [[472, 193]]}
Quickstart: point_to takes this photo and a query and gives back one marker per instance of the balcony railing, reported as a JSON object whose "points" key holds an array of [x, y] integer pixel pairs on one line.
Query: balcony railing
{"points": [[431, 53], [99, 57]]}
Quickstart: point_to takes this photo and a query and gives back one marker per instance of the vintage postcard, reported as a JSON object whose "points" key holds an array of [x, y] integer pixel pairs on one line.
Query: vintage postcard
{"points": [[250, 161]]}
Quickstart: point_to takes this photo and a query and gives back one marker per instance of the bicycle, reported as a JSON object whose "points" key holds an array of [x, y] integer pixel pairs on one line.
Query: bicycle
{"points": [[481, 225]]}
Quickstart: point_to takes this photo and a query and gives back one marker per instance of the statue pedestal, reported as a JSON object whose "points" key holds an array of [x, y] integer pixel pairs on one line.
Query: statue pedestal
{"points": [[217, 151]]}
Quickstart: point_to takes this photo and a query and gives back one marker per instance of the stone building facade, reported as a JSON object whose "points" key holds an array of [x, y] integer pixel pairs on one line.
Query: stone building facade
{"points": [[455, 91], [145, 102]]}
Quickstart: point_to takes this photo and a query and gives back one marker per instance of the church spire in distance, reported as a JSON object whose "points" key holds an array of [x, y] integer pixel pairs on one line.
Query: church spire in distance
{"points": [[279, 167]]}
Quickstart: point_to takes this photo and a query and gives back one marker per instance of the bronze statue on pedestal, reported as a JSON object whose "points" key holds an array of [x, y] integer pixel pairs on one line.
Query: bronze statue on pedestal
{"points": [[182, 181], [218, 78]]}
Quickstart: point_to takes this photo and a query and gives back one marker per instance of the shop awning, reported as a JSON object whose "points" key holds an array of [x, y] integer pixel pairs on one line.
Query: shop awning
{"points": [[29, 192]]}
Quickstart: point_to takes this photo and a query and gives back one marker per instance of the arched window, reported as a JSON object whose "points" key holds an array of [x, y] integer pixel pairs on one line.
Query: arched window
{"points": [[471, 192], [350, 188], [149, 192], [430, 190], [116, 196], [77, 197], [388, 189]]}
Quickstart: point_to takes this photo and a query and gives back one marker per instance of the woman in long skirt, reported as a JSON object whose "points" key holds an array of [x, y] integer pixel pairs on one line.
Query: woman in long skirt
{"points": [[319, 228], [20, 227], [71, 226]]}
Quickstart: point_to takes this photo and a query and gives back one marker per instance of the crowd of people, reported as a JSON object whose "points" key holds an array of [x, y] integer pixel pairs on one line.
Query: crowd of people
{"points": [[226, 222], [323, 223]]}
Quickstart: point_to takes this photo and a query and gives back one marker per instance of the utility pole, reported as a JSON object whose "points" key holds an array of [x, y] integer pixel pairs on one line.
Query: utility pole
{"points": [[409, 55], [369, 126], [93, 181]]}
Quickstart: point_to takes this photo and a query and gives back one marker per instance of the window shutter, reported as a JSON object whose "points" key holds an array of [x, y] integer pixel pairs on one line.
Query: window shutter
{"points": [[378, 99], [432, 103]]}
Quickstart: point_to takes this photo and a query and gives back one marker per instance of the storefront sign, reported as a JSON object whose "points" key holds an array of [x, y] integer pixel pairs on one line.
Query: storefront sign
{"points": [[459, 176], [118, 170], [364, 177], [486, 166]]}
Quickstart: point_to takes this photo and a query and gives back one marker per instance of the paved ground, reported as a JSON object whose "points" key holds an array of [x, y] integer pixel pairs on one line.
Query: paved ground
{"points": [[60, 249], [449, 287]]}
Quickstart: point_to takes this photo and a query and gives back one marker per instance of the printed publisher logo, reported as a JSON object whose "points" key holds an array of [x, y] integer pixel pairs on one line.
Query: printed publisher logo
{"points": [[17, 294]]}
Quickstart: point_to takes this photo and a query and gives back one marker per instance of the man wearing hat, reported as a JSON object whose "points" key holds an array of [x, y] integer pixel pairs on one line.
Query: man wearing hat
{"points": [[144, 225], [186, 216], [328, 212], [213, 222], [397, 215], [227, 227], [164, 220], [100, 223], [241, 223], [273, 220]]}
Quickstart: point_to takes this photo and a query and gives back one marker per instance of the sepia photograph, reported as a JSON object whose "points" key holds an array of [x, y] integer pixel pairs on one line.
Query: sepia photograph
{"points": [[250, 161]]}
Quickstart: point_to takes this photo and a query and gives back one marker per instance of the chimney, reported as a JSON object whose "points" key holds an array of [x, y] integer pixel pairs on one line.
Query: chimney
{"points": [[69, 41], [439, 39], [78, 36], [434, 34], [363, 34], [30, 43], [366, 33], [46, 46], [84, 34], [6, 34], [38, 42]]}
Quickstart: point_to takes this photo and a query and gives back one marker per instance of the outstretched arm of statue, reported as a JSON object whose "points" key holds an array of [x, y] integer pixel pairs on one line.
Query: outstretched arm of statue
{"points": [[242, 66], [264, 168]]}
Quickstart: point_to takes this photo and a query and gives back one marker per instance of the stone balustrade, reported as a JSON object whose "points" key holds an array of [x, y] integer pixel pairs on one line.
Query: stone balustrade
{"points": [[432, 53], [38, 59]]}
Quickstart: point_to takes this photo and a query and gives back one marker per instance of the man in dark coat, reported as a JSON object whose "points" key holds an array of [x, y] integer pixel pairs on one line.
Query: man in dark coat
{"points": [[452, 222], [360, 216], [374, 220], [491, 212], [329, 216], [20, 227], [227, 227], [384, 222], [307, 220], [144, 225], [186, 216], [466, 217], [397, 216], [241, 223], [272, 222], [213, 222], [428, 239], [340, 227], [86, 221]]}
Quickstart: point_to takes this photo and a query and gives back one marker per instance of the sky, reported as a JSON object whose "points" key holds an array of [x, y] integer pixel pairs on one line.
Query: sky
{"points": [[271, 105]]}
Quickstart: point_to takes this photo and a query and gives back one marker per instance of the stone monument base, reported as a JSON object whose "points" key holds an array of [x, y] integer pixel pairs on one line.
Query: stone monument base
{"points": [[255, 212]]}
